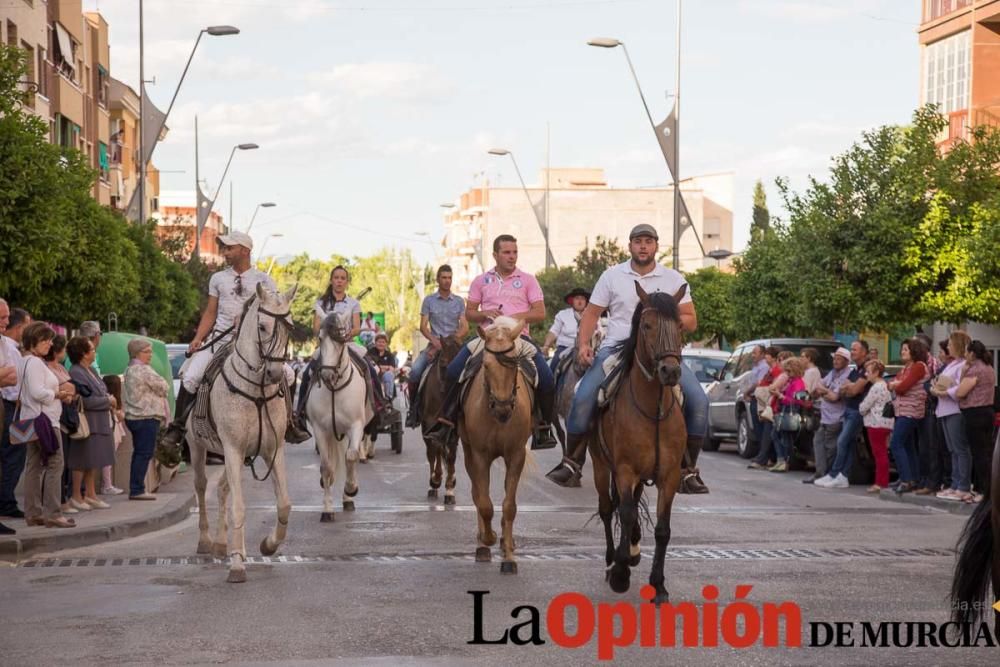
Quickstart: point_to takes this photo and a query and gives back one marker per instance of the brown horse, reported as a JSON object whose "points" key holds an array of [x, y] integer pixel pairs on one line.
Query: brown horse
{"points": [[979, 557], [496, 423], [641, 438], [431, 399]]}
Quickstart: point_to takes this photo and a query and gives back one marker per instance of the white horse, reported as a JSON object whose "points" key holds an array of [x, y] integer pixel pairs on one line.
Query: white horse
{"points": [[338, 410], [249, 417]]}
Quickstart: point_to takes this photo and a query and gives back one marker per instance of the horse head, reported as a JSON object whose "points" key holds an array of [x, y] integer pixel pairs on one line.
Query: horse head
{"points": [[656, 334], [334, 334], [500, 365], [269, 322]]}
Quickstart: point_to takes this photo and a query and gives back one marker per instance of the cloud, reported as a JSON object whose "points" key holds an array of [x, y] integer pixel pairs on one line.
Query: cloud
{"points": [[395, 80]]}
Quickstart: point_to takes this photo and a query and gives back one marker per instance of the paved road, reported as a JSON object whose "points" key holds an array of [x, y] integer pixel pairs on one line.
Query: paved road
{"points": [[387, 585]]}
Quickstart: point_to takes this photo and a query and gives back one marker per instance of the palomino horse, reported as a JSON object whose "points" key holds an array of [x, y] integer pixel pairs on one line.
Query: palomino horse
{"points": [[337, 409], [249, 416], [979, 556], [431, 398], [496, 423], [641, 437]]}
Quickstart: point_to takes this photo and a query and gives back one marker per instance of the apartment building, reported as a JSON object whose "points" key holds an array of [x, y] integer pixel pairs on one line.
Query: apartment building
{"points": [[176, 217], [124, 147]]}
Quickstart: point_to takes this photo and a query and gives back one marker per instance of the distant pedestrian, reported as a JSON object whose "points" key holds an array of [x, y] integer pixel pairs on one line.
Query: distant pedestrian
{"points": [[791, 403], [975, 394], [12, 457], [114, 385], [145, 412], [86, 457], [813, 374], [831, 413], [877, 425], [910, 405], [949, 416]]}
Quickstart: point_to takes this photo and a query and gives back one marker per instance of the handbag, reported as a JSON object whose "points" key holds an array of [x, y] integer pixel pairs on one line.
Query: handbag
{"points": [[22, 431], [82, 431], [788, 419], [889, 411]]}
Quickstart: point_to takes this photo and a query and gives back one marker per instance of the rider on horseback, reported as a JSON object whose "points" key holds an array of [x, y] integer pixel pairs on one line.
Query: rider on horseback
{"points": [[228, 292], [442, 314], [565, 325], [504, 290], [615, 292]]}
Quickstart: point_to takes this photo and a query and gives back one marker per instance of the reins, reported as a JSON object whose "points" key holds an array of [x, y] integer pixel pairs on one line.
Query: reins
{"points": [[332, 384], [507, 362]]}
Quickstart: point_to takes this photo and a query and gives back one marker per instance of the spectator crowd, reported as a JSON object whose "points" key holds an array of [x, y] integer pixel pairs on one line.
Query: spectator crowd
{"points": [[63, 422], [936, 416]]}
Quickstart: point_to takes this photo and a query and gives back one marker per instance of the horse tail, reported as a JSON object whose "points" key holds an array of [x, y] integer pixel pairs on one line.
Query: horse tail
{"points": [[971, 582]]}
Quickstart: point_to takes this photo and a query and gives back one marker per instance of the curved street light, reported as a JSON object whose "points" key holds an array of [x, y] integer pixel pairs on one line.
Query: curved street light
{"points": [[265, 204]]}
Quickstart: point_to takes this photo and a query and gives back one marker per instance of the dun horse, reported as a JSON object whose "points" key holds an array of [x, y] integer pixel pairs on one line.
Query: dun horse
{"points": [[439, 457], [979, 557], [248, 414], [641, 438], [496, 423], [338, 411]]}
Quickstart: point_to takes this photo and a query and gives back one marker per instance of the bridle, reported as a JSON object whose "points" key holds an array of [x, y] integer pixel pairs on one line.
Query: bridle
{"points": [[507, 362], [335, 384], [667, 344]]}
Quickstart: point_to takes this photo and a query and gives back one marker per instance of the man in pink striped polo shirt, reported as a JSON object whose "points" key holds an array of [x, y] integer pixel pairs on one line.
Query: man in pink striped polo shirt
{"points": [[504, 290]]}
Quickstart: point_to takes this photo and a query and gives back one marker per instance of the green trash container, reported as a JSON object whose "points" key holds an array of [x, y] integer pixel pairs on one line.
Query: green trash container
{"points": [[112, 358]]}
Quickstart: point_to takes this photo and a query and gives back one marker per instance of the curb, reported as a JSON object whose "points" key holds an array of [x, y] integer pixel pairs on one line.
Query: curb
{"points": [[949, 506], [15, 549]]}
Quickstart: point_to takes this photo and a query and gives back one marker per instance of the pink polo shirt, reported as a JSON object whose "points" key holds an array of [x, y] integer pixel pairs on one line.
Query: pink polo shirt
{"points": [[512, 295]]}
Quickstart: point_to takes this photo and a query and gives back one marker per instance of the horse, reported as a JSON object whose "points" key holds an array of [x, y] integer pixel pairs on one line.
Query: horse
{"points": [[496, 423], [431, 399], [566, 385], [978, 559], [248, 416], [337, 409], [641, 438]]}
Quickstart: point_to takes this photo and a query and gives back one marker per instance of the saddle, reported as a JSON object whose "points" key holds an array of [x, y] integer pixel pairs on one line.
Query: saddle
{"points": [[614, 373], [523, 351], [201, 416]]}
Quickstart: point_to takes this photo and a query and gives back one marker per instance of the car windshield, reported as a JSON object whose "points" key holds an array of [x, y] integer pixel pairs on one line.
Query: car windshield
{"points": [[176, 358], [825, 353], [706, 369]]}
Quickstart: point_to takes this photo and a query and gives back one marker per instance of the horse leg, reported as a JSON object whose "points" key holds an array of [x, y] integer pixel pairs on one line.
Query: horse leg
{"points": [[635, 550], [222, 523], [434, 464], [449, 455], [664, 502], [237, 537], [327, 473], [605, 507], [515, 465], [479, 474], [351, 488], [200, 486], [627, 516], [270, 544]]}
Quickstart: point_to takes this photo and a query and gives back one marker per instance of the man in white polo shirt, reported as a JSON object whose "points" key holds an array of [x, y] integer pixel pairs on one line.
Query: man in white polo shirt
{"points": [[615, 293]]}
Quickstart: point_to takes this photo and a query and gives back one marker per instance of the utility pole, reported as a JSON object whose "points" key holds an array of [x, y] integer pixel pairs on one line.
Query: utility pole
{"points": [[142, 118], [677, 150]]}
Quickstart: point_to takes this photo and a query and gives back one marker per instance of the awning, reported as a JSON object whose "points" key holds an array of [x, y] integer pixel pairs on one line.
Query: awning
{"points": [[65, 45], [102, 155]]}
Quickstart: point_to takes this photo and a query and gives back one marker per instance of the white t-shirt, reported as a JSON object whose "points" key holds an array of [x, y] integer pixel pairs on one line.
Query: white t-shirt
{"points": [[615, 290], [10, 355], [41, 390], [565, 326], [347, 306], [233, 290]]}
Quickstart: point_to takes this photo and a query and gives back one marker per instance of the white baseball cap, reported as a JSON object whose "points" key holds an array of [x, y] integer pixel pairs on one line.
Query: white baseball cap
{"points": [[843, 352], [237, 238]]}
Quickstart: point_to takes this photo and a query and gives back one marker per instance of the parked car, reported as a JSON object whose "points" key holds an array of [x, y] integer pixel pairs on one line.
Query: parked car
{"points": [[729, 412], [175, 355], [705, 362]]}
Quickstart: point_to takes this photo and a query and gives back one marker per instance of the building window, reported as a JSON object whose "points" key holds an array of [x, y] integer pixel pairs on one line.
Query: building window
{"points": [[42, 74], [934, 9], [29, 63], [11, 33], [946, 73], [103, 81], [64, 52], [102, 160]]}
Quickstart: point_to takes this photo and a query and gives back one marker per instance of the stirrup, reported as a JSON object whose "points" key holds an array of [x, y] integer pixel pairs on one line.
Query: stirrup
{"points": [[542, 437]]}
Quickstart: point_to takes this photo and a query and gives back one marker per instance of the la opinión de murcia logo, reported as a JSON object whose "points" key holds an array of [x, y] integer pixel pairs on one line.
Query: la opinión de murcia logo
{"points": [[573, 621]]}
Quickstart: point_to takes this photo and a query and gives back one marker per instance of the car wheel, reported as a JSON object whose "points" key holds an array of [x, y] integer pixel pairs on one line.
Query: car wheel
{"points": [[745, 443]]}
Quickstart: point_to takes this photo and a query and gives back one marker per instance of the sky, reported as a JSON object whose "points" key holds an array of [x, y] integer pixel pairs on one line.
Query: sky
{"points": [[371, 113]]}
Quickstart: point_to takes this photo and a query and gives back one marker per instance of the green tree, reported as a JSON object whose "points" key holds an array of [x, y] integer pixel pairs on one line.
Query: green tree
{"points": [[761, 216], [555, 282], [713, 291], [591, 262], [763, 304]]}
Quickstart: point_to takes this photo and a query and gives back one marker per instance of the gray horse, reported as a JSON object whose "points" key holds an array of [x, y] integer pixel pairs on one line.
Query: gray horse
{"points": [[249, 418]]}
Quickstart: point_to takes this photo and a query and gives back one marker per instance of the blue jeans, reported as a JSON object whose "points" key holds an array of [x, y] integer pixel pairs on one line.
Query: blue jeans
{"points": [[853, 423], [585, 401], [419, 366], [903, 446], [389, 384], [143, 443], [545, 381], [784, 444], [12, 458], [557, 357], [953, 427], [766, 443]]}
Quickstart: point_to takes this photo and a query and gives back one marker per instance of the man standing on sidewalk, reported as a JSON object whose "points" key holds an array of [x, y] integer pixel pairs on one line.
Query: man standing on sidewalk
{"points": [[854, 390], [12, 324], [831, 414]]}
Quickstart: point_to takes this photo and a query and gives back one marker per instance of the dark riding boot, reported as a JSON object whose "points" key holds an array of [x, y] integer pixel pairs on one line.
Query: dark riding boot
{"points": [[569, 470], [691, 481], [543, 437], [413, 416], [174, 435], [448, 419], [295, 432]]}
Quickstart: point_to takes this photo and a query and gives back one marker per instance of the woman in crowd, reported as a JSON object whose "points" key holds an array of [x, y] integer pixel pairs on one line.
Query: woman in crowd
{"points": [[949, 415], [975, 398], [813, 375], [909, 405], [145, 398], [54, 359], [41, 394], [85, 458], [877, 425], [114, 386], [769, 383], [793, 369]]}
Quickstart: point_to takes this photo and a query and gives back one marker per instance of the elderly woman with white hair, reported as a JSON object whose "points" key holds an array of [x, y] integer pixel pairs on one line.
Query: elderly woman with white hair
{"points": [[145, 397]]}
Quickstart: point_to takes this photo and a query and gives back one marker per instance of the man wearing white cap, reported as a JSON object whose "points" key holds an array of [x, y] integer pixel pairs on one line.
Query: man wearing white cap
{"points": [[831, 414], [228, 291]]}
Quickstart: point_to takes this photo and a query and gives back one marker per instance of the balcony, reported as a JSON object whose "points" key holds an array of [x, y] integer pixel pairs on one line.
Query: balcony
{"points": [[935, 9]]}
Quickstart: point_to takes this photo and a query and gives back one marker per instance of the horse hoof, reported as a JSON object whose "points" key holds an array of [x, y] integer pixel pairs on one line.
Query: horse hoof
{"points": [[265, 550], [435, 485], [483, 555], [348, 505], [326, 517], [204, 547], [449, 500], [351, 494], [432, 493], [634, 560], [619, 581], [365, 460], [508, 567], [661, 598], [219, 550], [237, 577]]}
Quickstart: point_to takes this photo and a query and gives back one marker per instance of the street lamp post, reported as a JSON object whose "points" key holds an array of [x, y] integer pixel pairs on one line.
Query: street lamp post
{"points": [[265, 204], [203, 205], [667, 136], [543, 224], [260, 253], [145, 155], [720, 254]]}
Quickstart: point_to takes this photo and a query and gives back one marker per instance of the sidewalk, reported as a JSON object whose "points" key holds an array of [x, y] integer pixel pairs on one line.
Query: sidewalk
{"points": [[126, 518], [927, 501]]}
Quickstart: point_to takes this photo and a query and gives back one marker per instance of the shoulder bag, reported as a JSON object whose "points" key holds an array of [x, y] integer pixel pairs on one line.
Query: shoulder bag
{"points": [[82, 431], [22, 431], [789, 419]]}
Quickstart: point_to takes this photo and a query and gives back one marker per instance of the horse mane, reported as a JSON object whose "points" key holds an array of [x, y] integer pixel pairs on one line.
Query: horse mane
{"points": [[664, 305], [504, 322], [331, 327]]}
